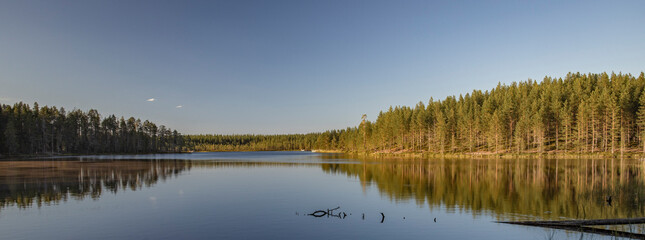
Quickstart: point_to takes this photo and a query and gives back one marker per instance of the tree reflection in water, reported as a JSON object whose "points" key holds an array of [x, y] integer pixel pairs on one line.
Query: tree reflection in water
{"points": [[508, 189], [512, 189], [28, 183]]}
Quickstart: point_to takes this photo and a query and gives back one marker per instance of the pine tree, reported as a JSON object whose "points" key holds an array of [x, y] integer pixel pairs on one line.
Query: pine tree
{"points": [[641, 118], [10, 139]]}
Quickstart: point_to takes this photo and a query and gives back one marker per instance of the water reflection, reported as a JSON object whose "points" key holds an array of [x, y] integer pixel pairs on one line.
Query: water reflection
{"points": [[28, 183], [34, 183], [506, 189], [512, 189]]}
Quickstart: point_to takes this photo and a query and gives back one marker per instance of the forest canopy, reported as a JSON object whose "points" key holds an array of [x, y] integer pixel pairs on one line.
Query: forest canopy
{"points": [[586, 113], [50, 130], [580, 113]]}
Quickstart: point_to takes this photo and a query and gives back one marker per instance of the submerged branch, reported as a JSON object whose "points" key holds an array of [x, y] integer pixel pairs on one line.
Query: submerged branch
{"points": [[581, 226]]}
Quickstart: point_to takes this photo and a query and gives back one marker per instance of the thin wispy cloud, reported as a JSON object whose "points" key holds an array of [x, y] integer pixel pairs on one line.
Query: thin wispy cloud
{"points": [[151, 100], [179, 106]]}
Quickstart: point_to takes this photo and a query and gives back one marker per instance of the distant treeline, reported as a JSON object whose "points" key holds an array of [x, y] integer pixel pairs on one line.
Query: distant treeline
{"points": [[51, 130], [587, 113], [581, 113], [249, 142]]}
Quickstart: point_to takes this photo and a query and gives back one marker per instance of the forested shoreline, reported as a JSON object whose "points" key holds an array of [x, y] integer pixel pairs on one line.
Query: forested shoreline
{"points": [[251, 142], [36, 130], [580, 113]]}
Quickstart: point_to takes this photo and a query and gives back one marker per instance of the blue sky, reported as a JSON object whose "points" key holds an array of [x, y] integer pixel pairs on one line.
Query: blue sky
{"points": [[297, 66]]}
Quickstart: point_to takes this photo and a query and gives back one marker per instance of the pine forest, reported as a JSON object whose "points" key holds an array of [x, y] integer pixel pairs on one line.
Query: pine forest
{"points": [[580, 113], [29, 130]]}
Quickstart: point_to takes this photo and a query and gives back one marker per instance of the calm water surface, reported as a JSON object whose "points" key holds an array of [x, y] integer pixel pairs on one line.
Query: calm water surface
{"points": [[267, 195]]}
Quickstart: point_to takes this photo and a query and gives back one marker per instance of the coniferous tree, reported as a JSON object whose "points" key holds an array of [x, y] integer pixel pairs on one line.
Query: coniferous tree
{"points": [[49, 130], [641, 119]]}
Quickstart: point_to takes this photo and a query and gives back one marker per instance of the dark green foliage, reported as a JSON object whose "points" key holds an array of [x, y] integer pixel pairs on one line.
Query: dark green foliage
{"points": [[580, 113], [49, 130], [250, 142]]}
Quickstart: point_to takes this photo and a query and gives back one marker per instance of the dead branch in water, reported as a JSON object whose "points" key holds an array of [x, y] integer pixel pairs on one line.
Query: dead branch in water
{"points": [[594, 222], [328, 213], [581, 226]]}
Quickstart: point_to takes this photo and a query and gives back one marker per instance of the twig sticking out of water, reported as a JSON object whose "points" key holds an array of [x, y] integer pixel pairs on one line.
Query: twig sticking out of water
{"points": [[328, 213], [341, 215], [319, 213]]}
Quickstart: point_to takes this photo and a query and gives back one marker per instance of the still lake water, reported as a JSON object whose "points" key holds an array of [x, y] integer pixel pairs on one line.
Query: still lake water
{"points": [[268, 195]]}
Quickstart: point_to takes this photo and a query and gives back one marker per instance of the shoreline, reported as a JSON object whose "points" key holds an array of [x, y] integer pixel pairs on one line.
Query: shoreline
{"points": [[405, 154], [47, 155], [491, 155]]}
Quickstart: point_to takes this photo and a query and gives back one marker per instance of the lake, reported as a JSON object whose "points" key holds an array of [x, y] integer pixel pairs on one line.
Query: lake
{"points": [[269, 195]]}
